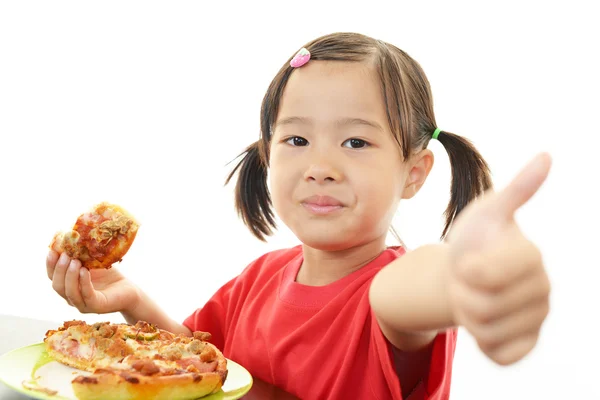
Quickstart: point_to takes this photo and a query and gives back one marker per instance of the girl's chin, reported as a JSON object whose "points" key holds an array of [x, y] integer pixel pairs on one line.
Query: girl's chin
{"points": [[344, 239], [326, 242]]}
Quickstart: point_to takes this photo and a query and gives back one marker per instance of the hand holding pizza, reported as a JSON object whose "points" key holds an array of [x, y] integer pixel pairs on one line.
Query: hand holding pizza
{"points": [[97, 291], [498, 288], [80, 261], [126, 361]]}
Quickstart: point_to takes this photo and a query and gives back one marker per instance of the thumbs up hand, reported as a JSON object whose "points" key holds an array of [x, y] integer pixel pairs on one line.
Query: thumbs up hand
{"points": [[497, 286]]}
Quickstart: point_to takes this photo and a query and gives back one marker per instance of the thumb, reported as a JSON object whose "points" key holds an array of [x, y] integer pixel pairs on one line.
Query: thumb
{"points": [[523, 186]]}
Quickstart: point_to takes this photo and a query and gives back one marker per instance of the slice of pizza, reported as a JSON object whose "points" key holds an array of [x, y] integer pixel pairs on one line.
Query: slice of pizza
{"points": [[100, 237], [137, 361]]}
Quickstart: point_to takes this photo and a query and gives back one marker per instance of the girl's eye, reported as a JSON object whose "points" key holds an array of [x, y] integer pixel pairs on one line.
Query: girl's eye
{"points": [[355, 143], [297, 141]]}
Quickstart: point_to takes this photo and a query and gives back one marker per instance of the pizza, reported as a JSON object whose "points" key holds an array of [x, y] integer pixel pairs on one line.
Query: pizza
{"points": [[137, 361], [100, 236]]}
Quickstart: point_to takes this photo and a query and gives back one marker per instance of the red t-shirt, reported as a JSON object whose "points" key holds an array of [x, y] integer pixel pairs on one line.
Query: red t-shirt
{"points": [[314, 342]]}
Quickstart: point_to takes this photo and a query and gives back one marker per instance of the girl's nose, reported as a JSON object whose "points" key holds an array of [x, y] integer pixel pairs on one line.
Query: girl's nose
{"points": [[322, 171]]}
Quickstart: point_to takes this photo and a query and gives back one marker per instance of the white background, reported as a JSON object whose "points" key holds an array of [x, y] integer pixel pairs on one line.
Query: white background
{"points": [[144, 104]]}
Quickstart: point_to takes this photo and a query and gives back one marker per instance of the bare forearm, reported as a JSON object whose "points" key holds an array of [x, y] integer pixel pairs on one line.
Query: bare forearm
{"points": [[410, 295], [147, 310]]}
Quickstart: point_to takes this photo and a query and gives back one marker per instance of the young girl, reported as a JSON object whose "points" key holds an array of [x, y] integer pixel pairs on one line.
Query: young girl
{"points": [[345, 126]]}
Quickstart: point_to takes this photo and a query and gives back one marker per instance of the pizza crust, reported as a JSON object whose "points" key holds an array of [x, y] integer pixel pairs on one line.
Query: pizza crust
{"points": [[110, 385]]}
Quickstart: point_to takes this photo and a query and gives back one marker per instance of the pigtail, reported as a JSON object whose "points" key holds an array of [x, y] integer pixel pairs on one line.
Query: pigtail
{"points": [[470, 175], [252, 198]]}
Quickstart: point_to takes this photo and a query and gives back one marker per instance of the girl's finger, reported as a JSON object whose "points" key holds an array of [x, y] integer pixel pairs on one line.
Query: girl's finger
{"points": [[88, 293], [58, 277], [514, 350], [523, 186], [522, 323], [484, 307], [502, 265], [72, 290], [51, 260]]}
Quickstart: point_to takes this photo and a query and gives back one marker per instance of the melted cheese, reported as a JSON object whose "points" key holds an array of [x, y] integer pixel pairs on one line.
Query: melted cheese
{"points": [[75, 334], [56, 341], [85, 350]]}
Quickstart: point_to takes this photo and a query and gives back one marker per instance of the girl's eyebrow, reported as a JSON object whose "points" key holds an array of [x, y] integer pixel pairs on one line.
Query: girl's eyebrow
{"points": [[292, 120], [359, 121], [340, 123]]}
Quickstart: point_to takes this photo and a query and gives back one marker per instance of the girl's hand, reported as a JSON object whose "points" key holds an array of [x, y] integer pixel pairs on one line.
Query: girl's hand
{"points": [[498, 288], [90, 291]]}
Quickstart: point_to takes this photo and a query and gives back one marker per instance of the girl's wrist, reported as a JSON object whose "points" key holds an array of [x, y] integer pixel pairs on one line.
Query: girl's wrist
{"points": [[132, 308]]}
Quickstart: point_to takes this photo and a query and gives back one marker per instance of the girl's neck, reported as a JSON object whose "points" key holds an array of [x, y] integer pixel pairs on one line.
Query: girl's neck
{"points": [[320, 268]]}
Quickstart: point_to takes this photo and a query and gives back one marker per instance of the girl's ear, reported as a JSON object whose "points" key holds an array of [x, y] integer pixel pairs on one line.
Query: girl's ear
{"points": [[419, 166]]}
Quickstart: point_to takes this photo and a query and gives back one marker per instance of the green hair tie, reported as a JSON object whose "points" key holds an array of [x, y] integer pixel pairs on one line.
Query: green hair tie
{"points": [[436, 133]]}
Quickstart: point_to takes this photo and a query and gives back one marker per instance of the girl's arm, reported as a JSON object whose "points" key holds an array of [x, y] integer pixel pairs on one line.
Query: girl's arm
{"points": [[487, 277], [146, 309], [409, 297]]}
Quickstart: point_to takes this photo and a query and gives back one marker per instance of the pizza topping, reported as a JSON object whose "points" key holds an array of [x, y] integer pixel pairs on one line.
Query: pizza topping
{"points": [[145, 367], [70, 242], [70, 346], [103, 343], [206, 352], [118, 348], [195, 346], [106, 330], [204, 336], [195, 365], [137, 335], [56, 337], [166, 336], [68, 324], [171, 352], [145, 327], [109, 229], [142, 331], [86, 350], [91, 243], [90, 218]]}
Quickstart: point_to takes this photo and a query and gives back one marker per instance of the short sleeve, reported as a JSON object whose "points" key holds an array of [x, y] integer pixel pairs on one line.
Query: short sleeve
{"points": [[212, 317], [437, 384], [440, 370]]}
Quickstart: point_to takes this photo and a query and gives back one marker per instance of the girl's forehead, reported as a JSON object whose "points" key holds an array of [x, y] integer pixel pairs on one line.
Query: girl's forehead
{"points": [[333, 88], [334, 72]]}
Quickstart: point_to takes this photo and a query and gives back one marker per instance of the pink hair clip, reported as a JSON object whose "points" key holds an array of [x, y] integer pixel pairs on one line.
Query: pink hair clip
{"points": [[300, 58]]}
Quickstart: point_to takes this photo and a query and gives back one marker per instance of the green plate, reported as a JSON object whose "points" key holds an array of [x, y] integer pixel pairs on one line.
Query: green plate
{"points": [[26, 363]]}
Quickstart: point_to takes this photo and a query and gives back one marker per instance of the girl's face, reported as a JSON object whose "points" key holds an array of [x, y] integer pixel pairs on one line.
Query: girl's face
{"points": [[336, 172]]}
